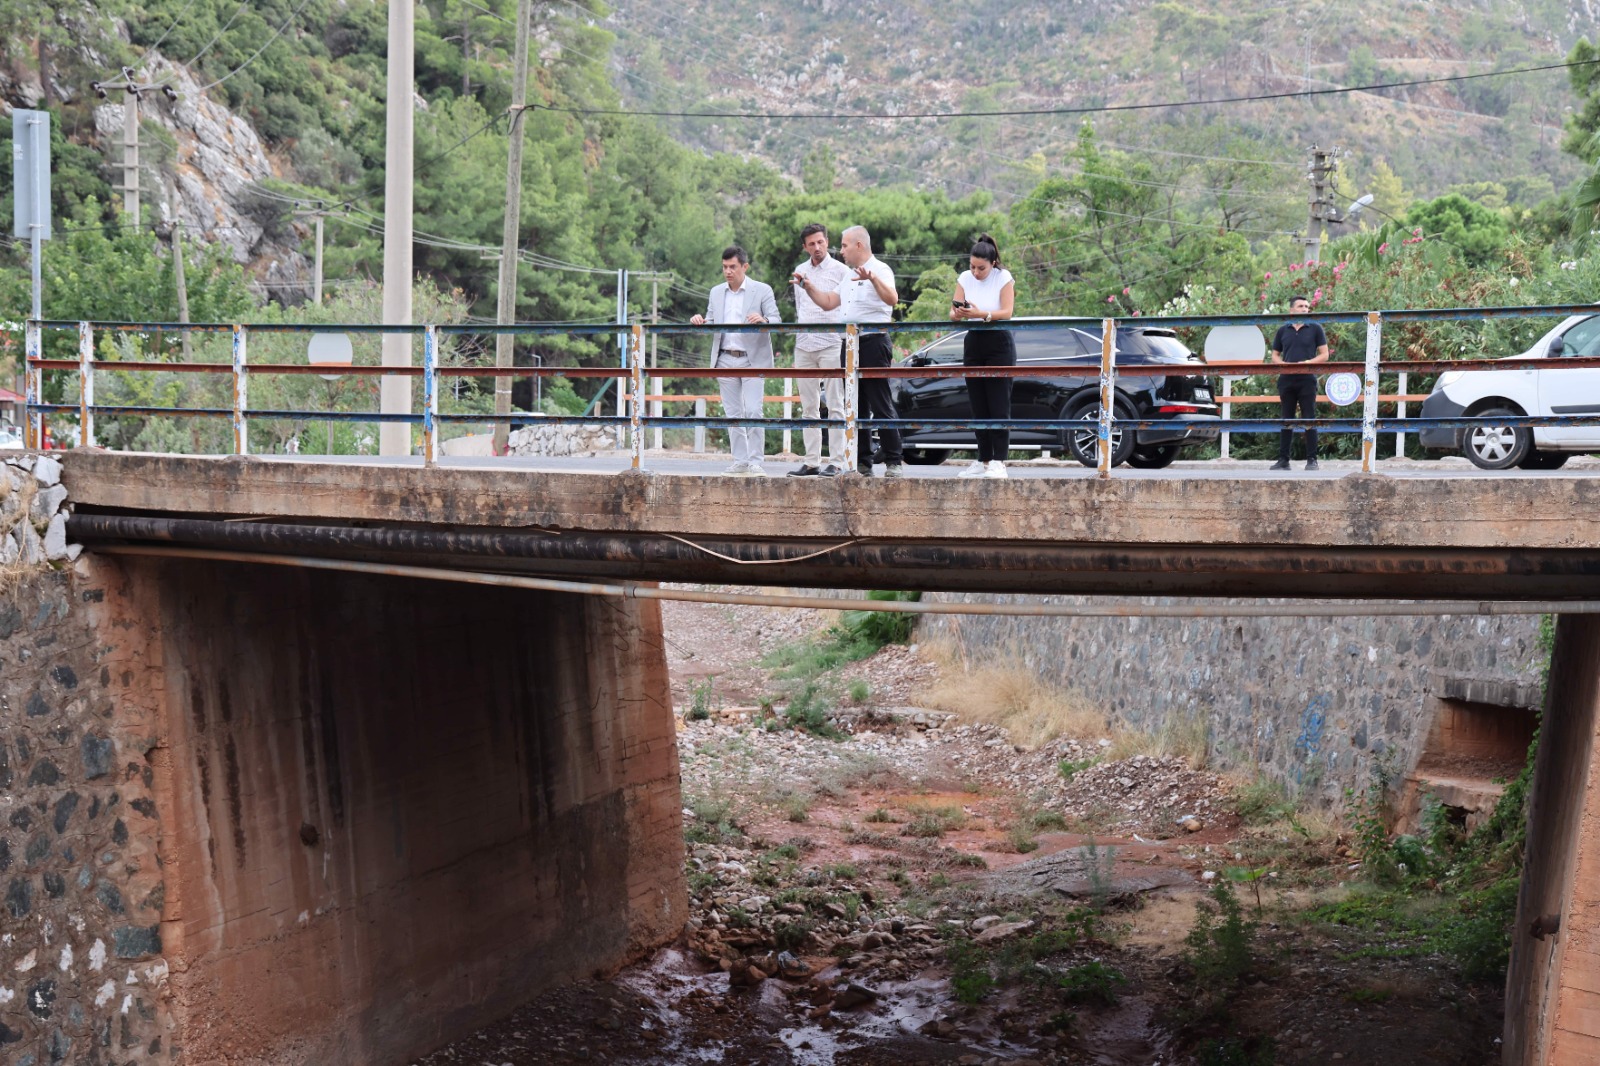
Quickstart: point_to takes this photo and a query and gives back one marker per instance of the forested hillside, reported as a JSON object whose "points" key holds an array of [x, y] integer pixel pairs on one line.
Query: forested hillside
{"points": [[279, 119]]}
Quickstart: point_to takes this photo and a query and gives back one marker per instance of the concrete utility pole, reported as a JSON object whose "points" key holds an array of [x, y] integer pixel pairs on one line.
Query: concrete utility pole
{"points": [[395, 391], [506, 302], [1321, 209]]}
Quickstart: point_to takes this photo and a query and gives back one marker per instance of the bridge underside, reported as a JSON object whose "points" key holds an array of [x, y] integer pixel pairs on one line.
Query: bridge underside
{"points": [[391, 810], [1355, 537]]}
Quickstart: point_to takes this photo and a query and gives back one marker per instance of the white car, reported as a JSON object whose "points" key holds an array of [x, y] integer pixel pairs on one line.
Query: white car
{"points": [[1549, 390]]}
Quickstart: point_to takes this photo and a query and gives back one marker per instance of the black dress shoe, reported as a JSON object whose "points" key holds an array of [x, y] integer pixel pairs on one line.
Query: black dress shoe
{"points": [[805, 471], [1312, 464], [1281, 464], [828, 471]]}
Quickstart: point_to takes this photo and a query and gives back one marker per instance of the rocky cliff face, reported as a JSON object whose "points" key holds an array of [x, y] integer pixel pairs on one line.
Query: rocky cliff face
{"points": [[210, 177]]}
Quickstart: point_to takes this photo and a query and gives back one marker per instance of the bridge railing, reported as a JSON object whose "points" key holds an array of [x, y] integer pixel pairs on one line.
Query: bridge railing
{"points": [[631, 376]]}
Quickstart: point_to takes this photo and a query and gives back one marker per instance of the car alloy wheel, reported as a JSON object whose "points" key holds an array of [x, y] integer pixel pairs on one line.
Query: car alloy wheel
{"points": [[1084, 444], [1497, 447]]}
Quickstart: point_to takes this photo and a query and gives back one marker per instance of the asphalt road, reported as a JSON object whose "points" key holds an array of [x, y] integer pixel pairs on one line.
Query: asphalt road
{"points": [[712, 464]]}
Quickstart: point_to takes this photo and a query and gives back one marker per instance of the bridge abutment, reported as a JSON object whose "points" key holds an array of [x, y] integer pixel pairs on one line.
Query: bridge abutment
{"points": [[372, 813], [1553, 987]]}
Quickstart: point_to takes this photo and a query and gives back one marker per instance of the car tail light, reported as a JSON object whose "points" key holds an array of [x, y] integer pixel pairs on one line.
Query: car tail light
{"points": [[1178, 409]]}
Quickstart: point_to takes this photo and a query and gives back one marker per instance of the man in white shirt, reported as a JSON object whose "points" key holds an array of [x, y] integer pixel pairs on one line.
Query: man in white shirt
{"points": [[741, 300], [869, 296], [820, 273]]}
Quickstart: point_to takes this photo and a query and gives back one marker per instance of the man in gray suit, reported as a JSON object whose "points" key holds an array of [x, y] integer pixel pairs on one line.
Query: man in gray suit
{"points": [[741, 300]]}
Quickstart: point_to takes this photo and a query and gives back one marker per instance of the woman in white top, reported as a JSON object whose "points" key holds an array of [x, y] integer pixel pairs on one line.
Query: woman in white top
{"points": [[985, 293]]}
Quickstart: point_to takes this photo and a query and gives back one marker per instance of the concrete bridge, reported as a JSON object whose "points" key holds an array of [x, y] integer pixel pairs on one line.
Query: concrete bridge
{"points": [[388, 809]]}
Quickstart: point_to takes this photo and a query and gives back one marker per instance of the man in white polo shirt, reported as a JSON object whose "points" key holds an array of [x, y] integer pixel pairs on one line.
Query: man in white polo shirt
{"points": [[869, 296], [820, 273]]}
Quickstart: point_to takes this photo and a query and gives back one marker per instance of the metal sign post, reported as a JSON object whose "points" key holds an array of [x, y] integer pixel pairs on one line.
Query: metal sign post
{"points": [[30, 158]]}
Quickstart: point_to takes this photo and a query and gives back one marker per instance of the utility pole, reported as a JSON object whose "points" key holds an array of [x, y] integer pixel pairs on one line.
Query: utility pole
{"points": [[655, 339], [316, 270], [394, 438], [1320, 208], [506, 301], [130, 134], [183, 288]]}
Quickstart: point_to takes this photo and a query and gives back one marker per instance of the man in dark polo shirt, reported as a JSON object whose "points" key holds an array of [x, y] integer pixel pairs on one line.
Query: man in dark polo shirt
{"points": [[1298, 342]]}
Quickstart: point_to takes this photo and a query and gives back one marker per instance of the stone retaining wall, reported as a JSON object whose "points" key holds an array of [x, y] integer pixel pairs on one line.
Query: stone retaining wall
{"points": [[82, 977], [1308, 702], [561, 440]]}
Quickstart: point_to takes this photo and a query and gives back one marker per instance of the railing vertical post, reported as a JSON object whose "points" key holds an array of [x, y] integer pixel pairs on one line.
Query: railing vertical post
{"points": [[33, 346], [1227, 412], [1108, 393], [1400, 437], [788, 412], [700, 430], [1369, 403], [85, 385], [241, 428], [636, 381], [852, 395], [430, 395]]}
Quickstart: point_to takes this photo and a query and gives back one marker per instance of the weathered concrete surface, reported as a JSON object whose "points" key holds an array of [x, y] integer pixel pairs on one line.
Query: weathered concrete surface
{"points": [[1457, 512], [1553, 988], [289, 818]]}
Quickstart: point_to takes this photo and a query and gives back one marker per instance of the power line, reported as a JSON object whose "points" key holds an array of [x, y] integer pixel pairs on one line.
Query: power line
{"points": [[276, 34], [218, 35], [1098, 110], [160, 40]]}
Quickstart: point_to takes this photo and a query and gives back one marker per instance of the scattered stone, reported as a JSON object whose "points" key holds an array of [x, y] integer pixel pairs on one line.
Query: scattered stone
{"points": [[1001, 932], [852, 996]]}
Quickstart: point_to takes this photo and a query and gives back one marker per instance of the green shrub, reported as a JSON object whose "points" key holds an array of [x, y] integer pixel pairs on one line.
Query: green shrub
{"points": [[702, 700], [1091, 983], [1219, 944], [879, 628]]}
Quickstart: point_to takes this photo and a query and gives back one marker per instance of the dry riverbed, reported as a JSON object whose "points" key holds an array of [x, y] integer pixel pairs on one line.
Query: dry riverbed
{"points": [[917, 888]]}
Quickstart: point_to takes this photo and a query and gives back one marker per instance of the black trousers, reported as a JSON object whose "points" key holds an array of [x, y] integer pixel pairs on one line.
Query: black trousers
{"points": [[877, 402], [990, 397], [1297, 392]]}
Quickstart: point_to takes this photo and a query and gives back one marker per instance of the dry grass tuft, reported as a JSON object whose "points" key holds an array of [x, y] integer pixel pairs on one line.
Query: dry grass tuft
{"points": [[1007, 693], [1184, 738]]}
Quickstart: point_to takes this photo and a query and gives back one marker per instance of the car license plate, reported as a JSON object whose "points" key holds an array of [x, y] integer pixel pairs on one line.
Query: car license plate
{"points": [[1202, 394]]}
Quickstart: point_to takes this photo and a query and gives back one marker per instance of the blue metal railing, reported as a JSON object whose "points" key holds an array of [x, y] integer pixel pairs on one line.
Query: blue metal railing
{"points": [[632, 374]]}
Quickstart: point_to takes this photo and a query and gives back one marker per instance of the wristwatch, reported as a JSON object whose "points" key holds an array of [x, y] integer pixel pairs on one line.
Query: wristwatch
{"points": [[986, 316]]}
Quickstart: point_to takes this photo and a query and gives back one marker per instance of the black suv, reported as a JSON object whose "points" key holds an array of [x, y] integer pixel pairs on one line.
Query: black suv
{"points": [[1184, 396]]}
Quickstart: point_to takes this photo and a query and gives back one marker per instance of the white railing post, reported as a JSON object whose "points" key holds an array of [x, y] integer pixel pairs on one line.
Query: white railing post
{"points": [[788, 411], [1369, 403], [852, 395], [700, 430], [1108, 393], [1400, 412], [430, 395], [241, 428], [636, 381], [33, 347], [1227, 412], [85, 385]]}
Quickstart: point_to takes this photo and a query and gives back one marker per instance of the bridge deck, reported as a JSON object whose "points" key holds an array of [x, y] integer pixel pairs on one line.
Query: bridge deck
{"points": [[1424, 534]]}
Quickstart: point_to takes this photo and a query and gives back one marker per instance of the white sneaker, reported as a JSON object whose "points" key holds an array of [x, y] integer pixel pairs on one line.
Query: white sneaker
{"points": [[995, 469], [754, 469], [975, 470], [738, 469]]}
